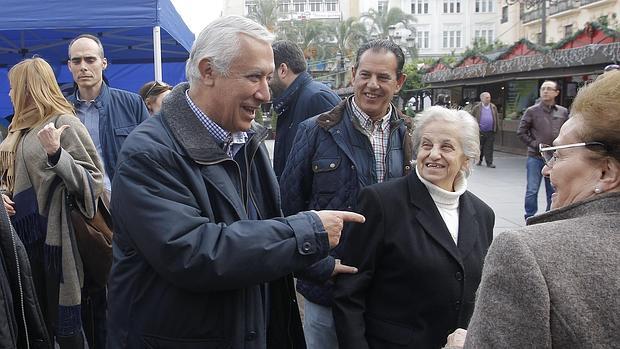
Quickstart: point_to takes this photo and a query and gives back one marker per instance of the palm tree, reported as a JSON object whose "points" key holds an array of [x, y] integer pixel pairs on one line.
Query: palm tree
{"points": [[381, 21], [266, 13], [349, 35]]}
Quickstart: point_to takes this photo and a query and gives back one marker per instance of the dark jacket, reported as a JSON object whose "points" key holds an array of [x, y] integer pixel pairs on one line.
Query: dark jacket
{"points": [[330, 162], [541, 124], [189, 268], [17, 293], [119, 113], [305, 98], [415, 285], [476, 113]]}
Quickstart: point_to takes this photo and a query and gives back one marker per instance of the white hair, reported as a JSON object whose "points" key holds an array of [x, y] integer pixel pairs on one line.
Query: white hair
{"points": [[219, 42], [484, 93], [469, 135]]}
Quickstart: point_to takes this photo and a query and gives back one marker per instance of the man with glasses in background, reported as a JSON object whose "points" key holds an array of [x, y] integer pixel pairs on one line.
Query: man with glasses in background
{"points": [[109, 114], [540, 124]]}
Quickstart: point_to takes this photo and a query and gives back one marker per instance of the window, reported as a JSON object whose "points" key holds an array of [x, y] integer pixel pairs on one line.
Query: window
{"points": [[422, 39], [284, 6], [484, 6], [331, 6], [451, 6], [315, 5], [451, 39], [299, 5], [504, 14], [419, 7], [568, 30], [250, 6], [484, 34], [382, 6]]}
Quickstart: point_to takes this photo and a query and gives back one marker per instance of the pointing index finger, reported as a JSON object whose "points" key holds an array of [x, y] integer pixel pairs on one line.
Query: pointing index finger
{"points": [[351, 217]]}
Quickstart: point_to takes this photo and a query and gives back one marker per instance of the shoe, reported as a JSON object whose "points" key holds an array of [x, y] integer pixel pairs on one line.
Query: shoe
{"points": [[479, 163], [491, 165]]}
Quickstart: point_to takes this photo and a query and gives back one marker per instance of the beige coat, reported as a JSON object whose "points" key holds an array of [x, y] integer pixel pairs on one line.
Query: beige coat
{"points": [[555, 283]]}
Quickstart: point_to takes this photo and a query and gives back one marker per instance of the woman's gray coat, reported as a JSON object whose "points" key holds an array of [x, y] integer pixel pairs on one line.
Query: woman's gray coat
{"points": [[555, 283]]}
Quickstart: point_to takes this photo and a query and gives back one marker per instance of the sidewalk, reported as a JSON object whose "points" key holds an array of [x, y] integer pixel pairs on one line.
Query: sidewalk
{"points": [[502, 188]]}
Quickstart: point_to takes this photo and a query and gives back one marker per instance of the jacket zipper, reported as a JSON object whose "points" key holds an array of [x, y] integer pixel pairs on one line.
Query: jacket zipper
{"points": [[19, 280]]}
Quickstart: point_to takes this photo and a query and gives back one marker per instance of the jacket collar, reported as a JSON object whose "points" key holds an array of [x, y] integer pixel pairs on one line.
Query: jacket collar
{"points": [[103, 98], [332, 117], [430, 219], [191, 134], [598, 204], [281, 103]]}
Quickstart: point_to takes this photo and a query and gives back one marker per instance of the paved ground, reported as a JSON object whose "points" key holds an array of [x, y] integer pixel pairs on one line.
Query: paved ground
{"points": [[502, 188]]}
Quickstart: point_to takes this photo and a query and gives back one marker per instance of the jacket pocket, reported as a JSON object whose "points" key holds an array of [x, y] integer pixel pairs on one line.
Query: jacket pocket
{"points": [[327, 178], [388, 331], [325, 165], [124, 131], [153, 342]]}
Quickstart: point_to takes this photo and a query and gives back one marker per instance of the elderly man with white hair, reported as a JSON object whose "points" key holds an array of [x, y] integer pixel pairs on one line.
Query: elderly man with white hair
{"points": [[485, 113], [202, 257]]}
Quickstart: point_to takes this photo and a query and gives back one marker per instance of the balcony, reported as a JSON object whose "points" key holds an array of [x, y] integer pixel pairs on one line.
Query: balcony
{"points": [[531, 16], [563, 6]]}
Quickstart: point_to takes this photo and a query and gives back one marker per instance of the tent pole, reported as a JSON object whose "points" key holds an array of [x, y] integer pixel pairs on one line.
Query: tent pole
{"points": [[157, 52]]}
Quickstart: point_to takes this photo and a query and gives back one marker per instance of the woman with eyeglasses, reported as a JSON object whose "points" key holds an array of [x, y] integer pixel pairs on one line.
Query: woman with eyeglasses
{"points": [[153, 94], [556, 282]]}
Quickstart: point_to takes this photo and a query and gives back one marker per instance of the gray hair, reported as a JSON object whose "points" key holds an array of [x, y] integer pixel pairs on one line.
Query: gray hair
{"points": [[219, 42], [484, 93], [469, 134]]}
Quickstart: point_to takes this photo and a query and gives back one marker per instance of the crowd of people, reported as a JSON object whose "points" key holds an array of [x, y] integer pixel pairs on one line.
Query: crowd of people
{"points": [[368, 209]]}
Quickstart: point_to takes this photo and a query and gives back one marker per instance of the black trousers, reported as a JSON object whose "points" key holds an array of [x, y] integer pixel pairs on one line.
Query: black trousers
{"points": [[487, 138]]}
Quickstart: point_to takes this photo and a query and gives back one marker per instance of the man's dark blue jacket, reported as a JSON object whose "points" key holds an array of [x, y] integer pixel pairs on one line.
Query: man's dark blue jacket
{"points": [[330, 162], [119, 113], [304, 99]]}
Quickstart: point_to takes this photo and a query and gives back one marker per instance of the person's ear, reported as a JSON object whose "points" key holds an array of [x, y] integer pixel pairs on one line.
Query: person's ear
{"points": [[610, 175], [400, 81], [105, 63], [207, 73], [283, 70]]}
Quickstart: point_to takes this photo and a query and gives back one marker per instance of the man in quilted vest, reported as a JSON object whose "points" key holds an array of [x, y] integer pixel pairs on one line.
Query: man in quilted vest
{"points": [[362, 141]]}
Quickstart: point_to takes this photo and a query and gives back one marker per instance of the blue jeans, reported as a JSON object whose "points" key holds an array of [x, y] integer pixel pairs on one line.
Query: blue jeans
{"points": [[534, 175], [319, 328]]}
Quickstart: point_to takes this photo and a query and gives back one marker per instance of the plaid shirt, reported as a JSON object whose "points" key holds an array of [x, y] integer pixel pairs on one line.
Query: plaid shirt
{"points": [[378, 133], [230, 142]]}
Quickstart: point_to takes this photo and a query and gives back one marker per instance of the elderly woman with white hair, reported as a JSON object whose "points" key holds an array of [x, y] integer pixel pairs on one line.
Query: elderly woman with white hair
{"points": [[421, 250]]}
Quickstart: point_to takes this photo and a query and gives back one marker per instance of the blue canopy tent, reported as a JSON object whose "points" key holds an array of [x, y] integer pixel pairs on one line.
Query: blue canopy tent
{"points": [[144, 40]]}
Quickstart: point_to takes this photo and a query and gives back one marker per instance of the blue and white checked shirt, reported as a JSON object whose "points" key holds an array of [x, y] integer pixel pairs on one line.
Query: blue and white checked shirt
{"points": [[230, 142]]}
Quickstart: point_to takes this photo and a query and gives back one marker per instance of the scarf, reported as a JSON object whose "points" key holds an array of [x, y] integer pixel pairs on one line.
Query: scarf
{"points": [[19, 127], [42, 215]]}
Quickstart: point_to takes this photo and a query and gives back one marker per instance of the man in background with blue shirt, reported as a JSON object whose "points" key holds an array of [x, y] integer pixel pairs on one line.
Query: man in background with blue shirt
{"points": [[109, 114]]}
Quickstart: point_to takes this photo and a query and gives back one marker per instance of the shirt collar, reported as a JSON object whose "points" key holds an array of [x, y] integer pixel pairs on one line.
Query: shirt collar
{"points": [[221, 135], [366, 122]]}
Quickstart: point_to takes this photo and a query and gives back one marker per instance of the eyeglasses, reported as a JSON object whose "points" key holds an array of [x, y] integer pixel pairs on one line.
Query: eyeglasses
{"points": [[611, 67], [157, 83], [548, 153]]}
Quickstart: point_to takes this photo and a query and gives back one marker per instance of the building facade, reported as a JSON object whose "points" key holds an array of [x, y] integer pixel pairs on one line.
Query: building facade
{"points": [[298, 9], [562, 18]]}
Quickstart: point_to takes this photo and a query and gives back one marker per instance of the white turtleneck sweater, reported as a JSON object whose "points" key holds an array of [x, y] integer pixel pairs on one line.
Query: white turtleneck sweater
{"points": [[447, 202]]}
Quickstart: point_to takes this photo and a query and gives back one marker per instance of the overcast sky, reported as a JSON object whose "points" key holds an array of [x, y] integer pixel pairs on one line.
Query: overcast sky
{"points": [[198, 13]]}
